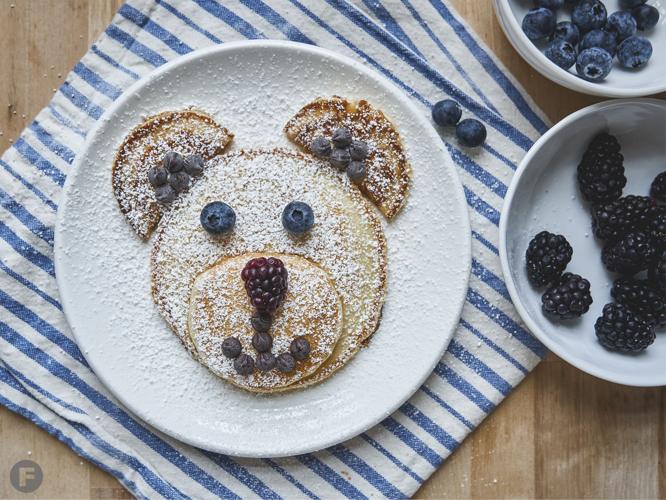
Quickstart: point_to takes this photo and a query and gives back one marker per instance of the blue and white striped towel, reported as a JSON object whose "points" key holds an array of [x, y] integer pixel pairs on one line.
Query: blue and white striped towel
{"points": [[425, 49]]}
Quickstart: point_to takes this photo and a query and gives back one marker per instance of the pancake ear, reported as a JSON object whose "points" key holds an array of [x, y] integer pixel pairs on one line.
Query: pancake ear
{"points": [[388, 174], [187, 132]]}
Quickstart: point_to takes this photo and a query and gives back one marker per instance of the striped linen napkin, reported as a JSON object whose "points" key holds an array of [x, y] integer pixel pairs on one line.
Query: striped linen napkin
{"points": [[426, 50]]}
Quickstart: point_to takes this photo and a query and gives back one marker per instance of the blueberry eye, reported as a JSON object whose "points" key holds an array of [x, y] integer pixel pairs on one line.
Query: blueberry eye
{"points": [[218, 218], [297, 217]]}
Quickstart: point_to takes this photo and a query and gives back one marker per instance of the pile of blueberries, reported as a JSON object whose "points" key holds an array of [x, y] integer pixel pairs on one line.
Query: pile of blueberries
{"points": [[470, 132], [345, 153], [592, 38], [173, 176]]}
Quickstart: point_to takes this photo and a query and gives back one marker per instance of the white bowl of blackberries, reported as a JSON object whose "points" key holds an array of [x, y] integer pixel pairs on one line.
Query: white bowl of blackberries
{"points": [[614, 48], [583, 240]]}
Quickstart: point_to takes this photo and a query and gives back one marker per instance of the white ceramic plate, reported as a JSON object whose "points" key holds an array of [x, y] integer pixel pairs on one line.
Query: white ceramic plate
{"points": [[544, 195], [619, 83], [252, 88]]}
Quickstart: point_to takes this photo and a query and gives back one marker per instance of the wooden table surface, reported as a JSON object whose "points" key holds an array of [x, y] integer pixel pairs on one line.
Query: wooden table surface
{"points": [[560, 434]]}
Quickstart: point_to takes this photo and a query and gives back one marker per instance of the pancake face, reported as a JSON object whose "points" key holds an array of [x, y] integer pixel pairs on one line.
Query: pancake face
{"points": [[219, 308], [346, 242], [185, 132], [388, 176]]}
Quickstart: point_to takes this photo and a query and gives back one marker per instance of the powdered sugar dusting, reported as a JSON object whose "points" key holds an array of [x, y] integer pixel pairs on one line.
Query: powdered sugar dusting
{"points": [[347, 240], [219, 308]]}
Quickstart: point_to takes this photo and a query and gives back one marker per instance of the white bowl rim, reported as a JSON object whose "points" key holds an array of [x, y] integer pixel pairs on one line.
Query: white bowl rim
{"points": [[533, 55], [504, 259]]}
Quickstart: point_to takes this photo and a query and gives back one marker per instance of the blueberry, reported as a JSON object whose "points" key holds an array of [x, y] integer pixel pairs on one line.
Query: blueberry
{"points": [[622, 24], [599, 38], [341, 137], [358, 150], [265, 361], [594, 64], [194, 165], [285, 362], [646, 17], [471, 132], [566, 31], [231, 347], [446, 113], [356, 171], [300, 348], [179, 181], [261, 322], [244, 364], [217, 217], [549, 4], [630, 4], [561, 53], [538, 23], [262, 341], [297, 217], [165, 194], [321, 147], [173, 161], [158, 176], [589, 15], [634, 52], [340, 158]]}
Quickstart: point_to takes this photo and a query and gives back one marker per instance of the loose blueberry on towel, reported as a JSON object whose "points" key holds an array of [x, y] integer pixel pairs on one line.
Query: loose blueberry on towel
{"points": [[561, 53], [658, 187], [618, 329], [622, 24], [634, 52], [589, 15], [446, 113], [568, 298], [471, 132], [321, 147], [231, 347], [568, 32], [217, 217], [646, 17], [194, 165], [599, 38], [297, 217], [594, 64], [538, 23]]}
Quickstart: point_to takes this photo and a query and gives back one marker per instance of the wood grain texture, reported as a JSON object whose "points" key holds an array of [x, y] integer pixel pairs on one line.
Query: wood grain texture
{"points": [[560, 434]]}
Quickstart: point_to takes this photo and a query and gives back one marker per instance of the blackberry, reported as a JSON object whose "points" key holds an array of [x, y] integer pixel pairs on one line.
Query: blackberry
{"points": [[642, 299], [629, 213], [601, 170], [628, 255], [658, 187], [618, 329], [547, 256], [568, 298], [657, 272], [658, 230], [265, 282]]}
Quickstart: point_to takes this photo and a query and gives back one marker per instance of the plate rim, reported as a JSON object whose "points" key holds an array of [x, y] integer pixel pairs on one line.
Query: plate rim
{"points": [[504, 258], [298, 47]]}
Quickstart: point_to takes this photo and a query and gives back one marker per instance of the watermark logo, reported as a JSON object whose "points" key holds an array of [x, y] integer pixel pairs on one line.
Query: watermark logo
{"points": [[26, 476]]}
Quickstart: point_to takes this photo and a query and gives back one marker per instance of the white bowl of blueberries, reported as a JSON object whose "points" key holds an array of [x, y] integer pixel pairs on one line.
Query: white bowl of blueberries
{"points": [[583, 240], [613, 48]]}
